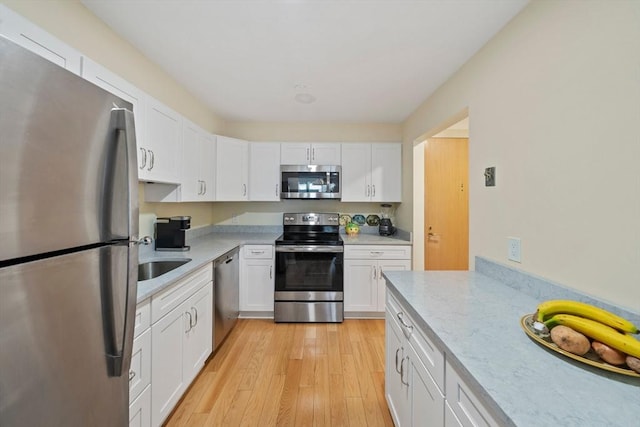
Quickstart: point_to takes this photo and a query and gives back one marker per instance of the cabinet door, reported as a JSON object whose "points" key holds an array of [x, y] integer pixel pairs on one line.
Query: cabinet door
{"points": [[167, 361], [208, 166], [164, 141], [102, 77], [264, 171], [450, 419], [360, 285], [257, 286], [427, 403], [388, 265], [386, 172], [198, 339], [356, 172], [30, 36], [396, 392], [326, 153], [191, 182], [464, 403], [232, 158], [295, 153]]}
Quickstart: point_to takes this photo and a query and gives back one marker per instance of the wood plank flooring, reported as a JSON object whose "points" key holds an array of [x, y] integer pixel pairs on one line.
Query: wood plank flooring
{"points": [[291, 374]]}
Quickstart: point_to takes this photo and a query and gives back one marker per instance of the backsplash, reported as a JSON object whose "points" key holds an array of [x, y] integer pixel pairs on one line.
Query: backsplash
{"points": [[543, 289]]}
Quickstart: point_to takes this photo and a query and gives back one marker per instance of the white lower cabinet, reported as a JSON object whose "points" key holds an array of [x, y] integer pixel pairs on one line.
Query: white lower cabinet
{"points": [[364, 286], [181, 339], [140, 368], [257, 280], [415, 398], [421, 386]]}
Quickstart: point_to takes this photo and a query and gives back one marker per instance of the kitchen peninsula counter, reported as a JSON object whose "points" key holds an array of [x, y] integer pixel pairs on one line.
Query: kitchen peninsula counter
{"points": [[475, 319]]}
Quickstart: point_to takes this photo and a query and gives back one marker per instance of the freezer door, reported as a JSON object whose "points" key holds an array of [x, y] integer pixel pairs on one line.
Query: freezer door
{"points": [[65, 172], [66, 335]]}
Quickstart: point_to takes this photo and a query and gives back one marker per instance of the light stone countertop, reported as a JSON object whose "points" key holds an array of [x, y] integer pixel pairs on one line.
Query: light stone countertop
{"points": [[373, 239], [203, 250], [476, 320]]}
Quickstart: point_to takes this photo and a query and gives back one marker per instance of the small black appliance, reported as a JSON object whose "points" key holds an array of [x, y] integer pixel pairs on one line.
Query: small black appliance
{"points": [[385, 227], [170, 233]]}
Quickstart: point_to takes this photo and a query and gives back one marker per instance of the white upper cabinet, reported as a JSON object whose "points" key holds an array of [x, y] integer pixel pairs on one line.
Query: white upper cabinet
{"points": [[264, 171], [25, 33], [371, 172], [163, 141], [198, 164], [232, 171], [102, 77], [297, 153]]}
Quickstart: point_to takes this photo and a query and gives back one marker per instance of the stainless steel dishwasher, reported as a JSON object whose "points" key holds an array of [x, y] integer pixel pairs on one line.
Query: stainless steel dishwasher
{"points": [[226, 294]]}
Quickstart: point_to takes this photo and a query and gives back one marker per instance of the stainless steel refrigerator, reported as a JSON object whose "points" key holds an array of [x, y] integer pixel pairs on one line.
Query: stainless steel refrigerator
{"points": [[68, 269]]}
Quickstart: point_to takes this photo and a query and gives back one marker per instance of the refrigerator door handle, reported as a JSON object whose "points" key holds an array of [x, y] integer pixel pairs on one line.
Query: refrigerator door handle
{"points": [[119, 278]]}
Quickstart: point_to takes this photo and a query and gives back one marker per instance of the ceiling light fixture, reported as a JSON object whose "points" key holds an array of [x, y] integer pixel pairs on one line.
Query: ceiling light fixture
{"points": [[305, 98]]}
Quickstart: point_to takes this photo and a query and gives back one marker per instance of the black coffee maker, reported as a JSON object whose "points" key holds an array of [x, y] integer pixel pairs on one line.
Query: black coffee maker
{"points": [[170, 233], [386, 228]]}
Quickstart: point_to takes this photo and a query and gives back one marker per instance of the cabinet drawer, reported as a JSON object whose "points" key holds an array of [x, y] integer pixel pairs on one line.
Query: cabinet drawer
{"points": [[165, 301], [140, 369], [258, 251], [431, 356], [140, 410], [464, 404], [142, 320], [377, 252]]}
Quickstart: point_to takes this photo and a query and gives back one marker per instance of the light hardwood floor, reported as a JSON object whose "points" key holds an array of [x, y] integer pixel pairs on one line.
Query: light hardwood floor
{"points": [[291, 374]]}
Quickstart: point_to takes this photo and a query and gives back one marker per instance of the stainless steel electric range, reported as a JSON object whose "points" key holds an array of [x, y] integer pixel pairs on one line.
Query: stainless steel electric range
{"points": [[309, 269]]}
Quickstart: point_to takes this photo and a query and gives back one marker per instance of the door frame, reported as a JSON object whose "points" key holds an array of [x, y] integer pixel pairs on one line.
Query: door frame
{"points": [[418, 188]]}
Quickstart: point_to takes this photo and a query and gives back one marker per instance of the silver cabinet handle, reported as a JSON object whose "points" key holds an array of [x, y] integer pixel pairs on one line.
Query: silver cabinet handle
{"points": [[277, 192], [368, 191], [397, 350], [373, 268], [190, 321], [195, 311], [402, 370], [271, 272], [313, 154], [143, 160], [375, 253], [373, 187], [244, 189], [152, 160], [401, 319], [132, 375], [308, 155], [204, 187]]}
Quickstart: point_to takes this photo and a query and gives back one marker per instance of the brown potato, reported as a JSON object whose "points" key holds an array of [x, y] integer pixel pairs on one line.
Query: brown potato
{"points": [[570, 340], [608, 354], [633, 363]]}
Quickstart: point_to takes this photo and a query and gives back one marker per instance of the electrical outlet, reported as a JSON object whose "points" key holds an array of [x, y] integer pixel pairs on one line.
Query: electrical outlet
{"points": [[513, 249]]}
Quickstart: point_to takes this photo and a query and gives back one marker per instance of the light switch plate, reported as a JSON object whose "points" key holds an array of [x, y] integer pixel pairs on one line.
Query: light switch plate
{"points": [[490, 176]]}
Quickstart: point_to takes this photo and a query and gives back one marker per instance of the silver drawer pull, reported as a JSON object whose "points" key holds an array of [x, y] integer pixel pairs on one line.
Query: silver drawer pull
{"points": [[401, 319], [132, 375]]}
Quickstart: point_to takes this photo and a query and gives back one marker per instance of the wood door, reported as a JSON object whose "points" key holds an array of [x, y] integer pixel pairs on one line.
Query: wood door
{"points": [[446, 204]]}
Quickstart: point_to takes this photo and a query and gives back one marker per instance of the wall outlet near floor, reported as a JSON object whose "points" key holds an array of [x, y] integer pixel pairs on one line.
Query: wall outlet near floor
{"points": [[513, 249]]}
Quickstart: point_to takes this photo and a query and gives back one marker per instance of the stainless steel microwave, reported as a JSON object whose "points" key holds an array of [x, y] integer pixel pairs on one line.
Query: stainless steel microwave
{"points": [[310, 182]]}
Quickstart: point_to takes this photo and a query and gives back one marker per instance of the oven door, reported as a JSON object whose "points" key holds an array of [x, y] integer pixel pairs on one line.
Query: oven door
{"points": [[309, 273]]}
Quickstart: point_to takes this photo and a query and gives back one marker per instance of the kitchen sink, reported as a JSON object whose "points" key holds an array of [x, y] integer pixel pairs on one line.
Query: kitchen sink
{"points": [[153, 269]]}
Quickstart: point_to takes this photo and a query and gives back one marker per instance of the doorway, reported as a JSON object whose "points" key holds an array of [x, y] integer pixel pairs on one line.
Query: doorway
{"points": [[446, 203]]}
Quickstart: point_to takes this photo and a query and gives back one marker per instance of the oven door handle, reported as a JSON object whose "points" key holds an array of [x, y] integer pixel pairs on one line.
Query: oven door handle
{"points": [[310, 248]]}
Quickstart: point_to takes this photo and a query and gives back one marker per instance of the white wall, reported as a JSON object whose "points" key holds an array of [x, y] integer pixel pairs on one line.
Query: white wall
{"points": [[554, 104]]}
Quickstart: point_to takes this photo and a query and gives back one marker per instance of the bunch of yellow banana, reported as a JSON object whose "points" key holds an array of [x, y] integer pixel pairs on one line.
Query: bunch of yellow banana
{"points": [[588, 311]]}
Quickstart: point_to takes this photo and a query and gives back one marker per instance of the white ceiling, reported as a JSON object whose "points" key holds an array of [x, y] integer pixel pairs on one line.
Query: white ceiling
{"points": [[362, 60]]}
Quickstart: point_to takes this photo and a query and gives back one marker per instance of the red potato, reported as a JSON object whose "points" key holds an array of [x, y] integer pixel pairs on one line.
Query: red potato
{"points": [[608, 354], [570, 340], [633, 363]]}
